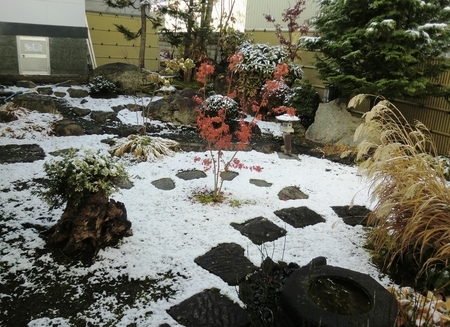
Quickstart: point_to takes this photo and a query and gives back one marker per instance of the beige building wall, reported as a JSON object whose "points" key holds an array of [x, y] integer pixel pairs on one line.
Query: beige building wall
{"points": [[110, 45], [256, 9]]}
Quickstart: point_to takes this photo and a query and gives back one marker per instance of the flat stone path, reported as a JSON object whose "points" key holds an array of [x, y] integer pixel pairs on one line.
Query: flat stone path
{"points": [[227, 260]]}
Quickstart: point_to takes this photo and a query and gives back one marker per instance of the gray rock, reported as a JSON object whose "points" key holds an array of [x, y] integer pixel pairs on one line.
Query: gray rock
{"points": [[299, 217], [81, 112], [7, 116], [102, 116], [134, 107], [59, 94], [35, 101], [260, 230], [12, 153], [228, 175], [209, 308], [67, 127], [354, 215], [127, 77], [77, 93], [333, 124], [178, 108], [292, 193], [165, 184], [45, 90], [227, 260], [118, 108], [260, 182], [190, 174], [25, 83]]}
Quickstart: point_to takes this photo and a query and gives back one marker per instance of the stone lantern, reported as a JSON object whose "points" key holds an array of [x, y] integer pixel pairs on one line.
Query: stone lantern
{"points": [[286, 128]]}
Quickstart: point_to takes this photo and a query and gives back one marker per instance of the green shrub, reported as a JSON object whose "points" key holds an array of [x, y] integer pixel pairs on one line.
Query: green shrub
{"points": [[258, 64], [214, 103], [305, 100], [102, 86], [77, 175]]}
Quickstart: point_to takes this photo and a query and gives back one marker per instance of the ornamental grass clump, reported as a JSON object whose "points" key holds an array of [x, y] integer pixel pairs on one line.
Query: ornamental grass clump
{"points": [[77, 175], [411, 216], [145, 148]]}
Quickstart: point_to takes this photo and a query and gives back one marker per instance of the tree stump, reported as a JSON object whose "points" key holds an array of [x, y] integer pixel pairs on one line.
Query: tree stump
{"points": [[97, 222]]}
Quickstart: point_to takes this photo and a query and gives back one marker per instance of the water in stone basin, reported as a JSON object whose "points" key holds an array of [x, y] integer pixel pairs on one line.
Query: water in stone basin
{"points": [[338, 295]]}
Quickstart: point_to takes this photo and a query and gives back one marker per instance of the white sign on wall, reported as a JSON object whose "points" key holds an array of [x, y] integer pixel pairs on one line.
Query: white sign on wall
{"points": [[33, 54]]}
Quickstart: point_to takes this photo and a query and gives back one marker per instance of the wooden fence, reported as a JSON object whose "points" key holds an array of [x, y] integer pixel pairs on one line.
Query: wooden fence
{"points": [[434, 113]]}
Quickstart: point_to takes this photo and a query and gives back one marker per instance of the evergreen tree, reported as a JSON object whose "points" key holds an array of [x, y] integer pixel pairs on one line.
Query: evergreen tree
{"points": [[191, 27], [393, 48], [144, 7]]}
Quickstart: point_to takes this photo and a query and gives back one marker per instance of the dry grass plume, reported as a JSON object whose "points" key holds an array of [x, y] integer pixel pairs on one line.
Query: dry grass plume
{"points": [[411, 217]]}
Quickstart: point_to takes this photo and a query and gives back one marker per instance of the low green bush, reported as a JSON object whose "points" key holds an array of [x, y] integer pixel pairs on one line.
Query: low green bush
{"points": [[77, 175]]}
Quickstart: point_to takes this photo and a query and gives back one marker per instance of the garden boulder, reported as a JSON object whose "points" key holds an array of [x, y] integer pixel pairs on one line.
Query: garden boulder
{"points": [[333, 124], [128, 78], [177, 108]]}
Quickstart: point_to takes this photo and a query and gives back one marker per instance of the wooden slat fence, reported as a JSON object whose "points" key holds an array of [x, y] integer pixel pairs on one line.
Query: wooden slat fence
{"points": [[433, 112]]}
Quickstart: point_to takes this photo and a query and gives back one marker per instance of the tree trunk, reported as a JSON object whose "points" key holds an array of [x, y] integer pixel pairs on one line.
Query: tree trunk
{"points": [[189, 39], [143, 37], [94, 224]]}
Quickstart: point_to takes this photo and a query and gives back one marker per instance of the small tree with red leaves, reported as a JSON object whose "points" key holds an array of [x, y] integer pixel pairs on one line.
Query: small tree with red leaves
{"points": [[216, 131], [290, 16]]}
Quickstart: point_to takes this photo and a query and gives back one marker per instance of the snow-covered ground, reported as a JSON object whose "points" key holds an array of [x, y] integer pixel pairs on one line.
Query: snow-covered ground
{"points": [[170, 230]]}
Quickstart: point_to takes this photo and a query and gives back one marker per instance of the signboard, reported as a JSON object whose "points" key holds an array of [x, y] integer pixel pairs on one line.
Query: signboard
{"points": [[34, 56]]}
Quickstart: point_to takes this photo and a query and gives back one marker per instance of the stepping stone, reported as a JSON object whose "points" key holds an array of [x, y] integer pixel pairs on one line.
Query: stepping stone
{"points": [[227, 261], [260, 230], [228, 175], [188, 175], [355, 215], [299, 217], [13, 153], [260, 182], [165, 184], [209, 308], [292, 193]]}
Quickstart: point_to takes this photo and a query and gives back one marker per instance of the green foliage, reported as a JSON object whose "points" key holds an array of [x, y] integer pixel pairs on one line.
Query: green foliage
{"points": [[127, 33], [230, 42], [192, 28], [258, 64], [386, 47], [304, 99], [442, 163], [77, 175], [206, 196], [214, 103], [101, 85]]}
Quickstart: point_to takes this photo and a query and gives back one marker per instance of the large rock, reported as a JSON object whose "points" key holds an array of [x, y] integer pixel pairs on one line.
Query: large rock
{"points": [[128, 78], [333, 124], [38, 102], [177, 108]]}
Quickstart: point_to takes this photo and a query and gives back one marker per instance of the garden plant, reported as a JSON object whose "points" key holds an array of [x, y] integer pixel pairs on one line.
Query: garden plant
{"points": [[411, 214], [215, 128], [385, 47], [290, 16], [90, 221]]}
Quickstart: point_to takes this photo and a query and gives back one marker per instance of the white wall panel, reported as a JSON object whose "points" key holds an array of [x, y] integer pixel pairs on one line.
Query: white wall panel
{"points": [[43, 12], [257, 8]]}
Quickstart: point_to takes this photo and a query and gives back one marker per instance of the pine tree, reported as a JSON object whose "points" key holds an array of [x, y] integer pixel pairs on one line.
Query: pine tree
{"points": [[393, 48], [144, 7]]}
